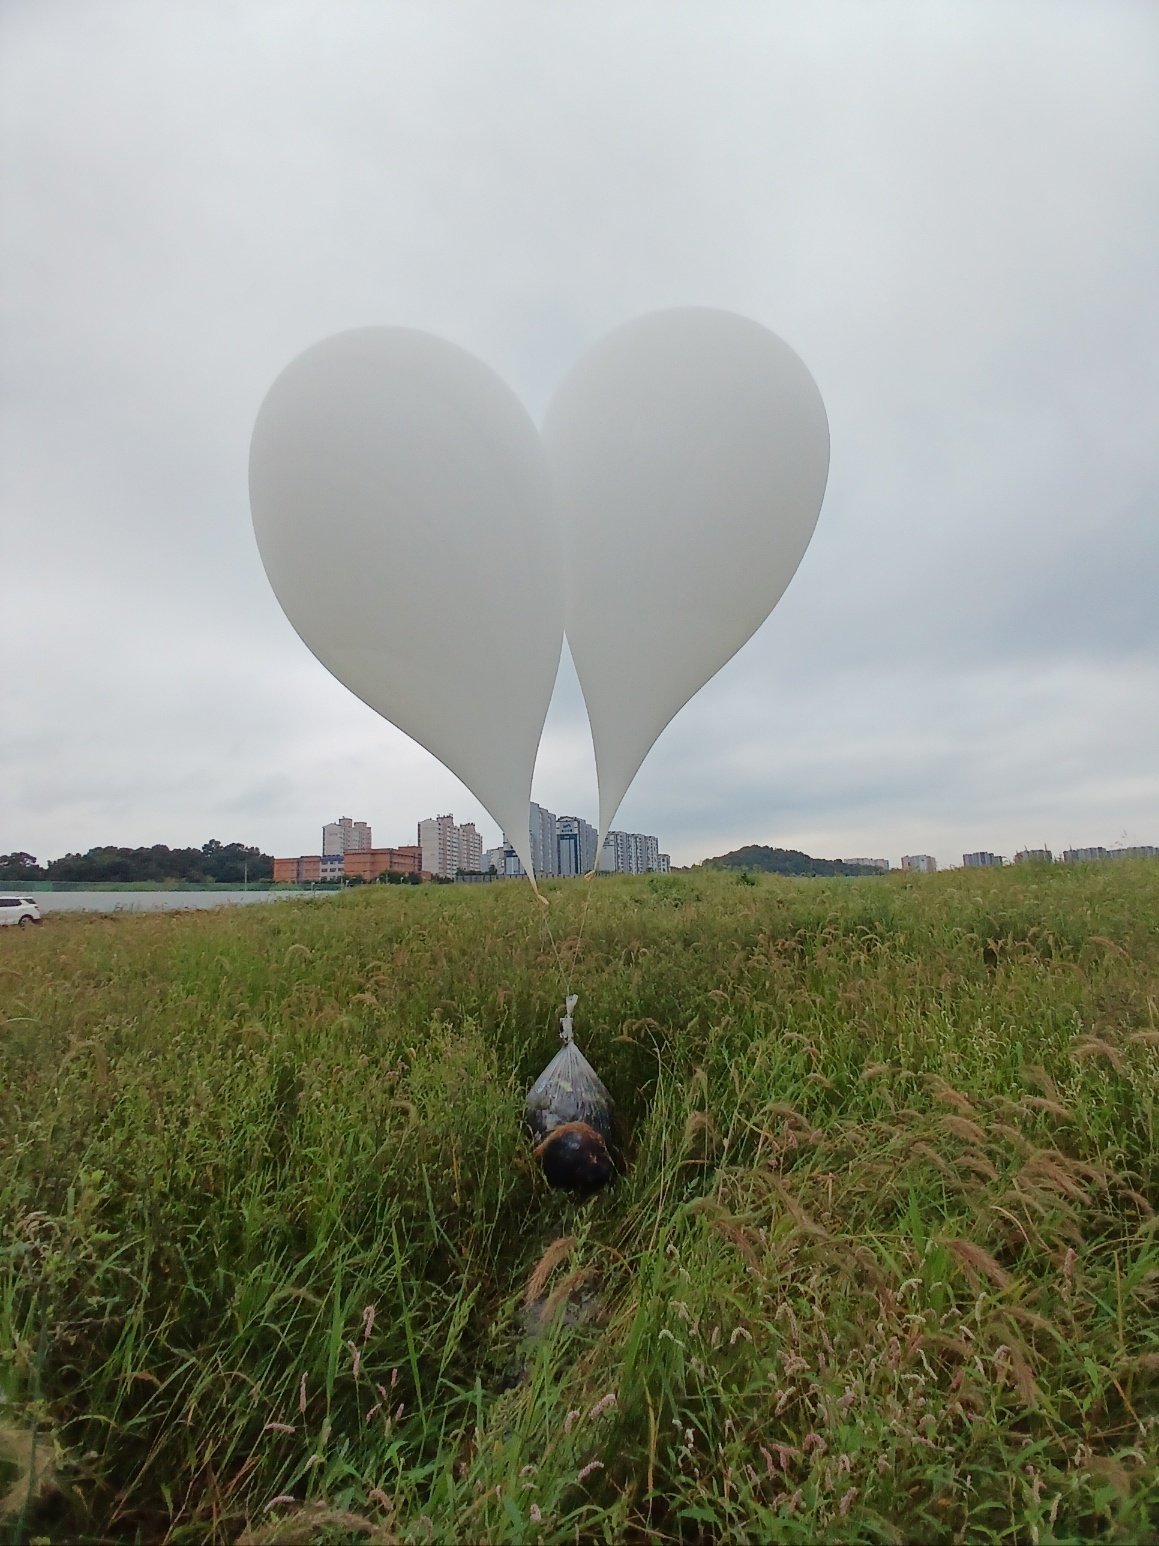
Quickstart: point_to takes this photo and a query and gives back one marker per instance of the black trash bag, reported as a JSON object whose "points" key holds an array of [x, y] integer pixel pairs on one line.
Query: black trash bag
{"points": [[570, 1113]]}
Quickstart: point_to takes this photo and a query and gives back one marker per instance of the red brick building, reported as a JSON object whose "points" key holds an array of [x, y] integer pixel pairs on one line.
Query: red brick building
{"points": [[366, 864], [377, 861]]}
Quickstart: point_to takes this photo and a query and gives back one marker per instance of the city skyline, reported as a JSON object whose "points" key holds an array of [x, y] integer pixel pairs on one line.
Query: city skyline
{"points": [[549, 832], [560, 846]]}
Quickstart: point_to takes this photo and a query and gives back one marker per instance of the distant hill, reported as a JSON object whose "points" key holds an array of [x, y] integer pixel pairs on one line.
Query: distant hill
{"points": [[783, 861]]}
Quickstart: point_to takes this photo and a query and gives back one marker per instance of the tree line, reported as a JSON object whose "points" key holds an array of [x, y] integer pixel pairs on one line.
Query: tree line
{"points": [[225, 864]]}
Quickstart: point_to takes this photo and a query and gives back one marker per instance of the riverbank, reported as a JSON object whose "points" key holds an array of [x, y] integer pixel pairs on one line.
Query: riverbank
{"points": [[128, 899], [65, 886]]}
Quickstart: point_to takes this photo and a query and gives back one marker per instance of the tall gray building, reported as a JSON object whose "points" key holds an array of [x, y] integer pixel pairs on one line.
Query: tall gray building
{"points": [[542, 831], [576, 844], [566, 846], [542, 840]]}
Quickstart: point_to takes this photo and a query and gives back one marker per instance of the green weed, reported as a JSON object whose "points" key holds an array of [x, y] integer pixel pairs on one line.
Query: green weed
{"points": [[276, 1264]]}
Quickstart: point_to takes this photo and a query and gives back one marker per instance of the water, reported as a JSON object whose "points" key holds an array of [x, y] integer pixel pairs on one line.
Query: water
{"points": [[154, 901]]}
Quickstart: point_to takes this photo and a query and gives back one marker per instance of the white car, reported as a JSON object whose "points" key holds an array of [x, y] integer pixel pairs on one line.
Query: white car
{"points": [[18, 909]]}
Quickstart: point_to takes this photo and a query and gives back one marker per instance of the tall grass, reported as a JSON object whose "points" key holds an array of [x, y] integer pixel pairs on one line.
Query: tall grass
{"points": [[277, 1265]]}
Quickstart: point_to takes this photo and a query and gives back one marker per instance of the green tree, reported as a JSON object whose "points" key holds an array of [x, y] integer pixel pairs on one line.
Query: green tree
{"points": [[18, 867], [223, 863]]}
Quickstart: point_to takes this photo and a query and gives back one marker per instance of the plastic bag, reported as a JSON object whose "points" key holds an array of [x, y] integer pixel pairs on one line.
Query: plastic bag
{"points": [[569, 1090], [570, 1113]]}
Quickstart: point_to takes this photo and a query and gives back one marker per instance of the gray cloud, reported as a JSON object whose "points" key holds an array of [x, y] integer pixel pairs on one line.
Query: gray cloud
{"points": [[950, 211]]}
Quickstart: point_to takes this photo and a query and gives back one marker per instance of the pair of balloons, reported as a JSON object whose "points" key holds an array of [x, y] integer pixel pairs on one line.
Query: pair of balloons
{"points": [[431, 546]]}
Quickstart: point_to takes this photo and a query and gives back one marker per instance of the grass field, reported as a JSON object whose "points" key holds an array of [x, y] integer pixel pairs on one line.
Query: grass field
{"points": [[276, 1263]]}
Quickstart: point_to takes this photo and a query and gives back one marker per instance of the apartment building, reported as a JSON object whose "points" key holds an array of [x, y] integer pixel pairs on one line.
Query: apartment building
{"points": [[542, 829], [576, 845], [470, 847], [1136, 851], [633, 853], [345, 836], [920, 864], [438, 837], [448, 848]]}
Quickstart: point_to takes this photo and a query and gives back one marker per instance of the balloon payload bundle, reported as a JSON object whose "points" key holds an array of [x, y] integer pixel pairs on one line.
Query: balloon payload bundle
{"points": [[570, 1113]]}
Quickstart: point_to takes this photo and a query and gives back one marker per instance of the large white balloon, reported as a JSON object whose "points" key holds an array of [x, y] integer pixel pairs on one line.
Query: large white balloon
{"points": [[403, 511], [689, 451]]}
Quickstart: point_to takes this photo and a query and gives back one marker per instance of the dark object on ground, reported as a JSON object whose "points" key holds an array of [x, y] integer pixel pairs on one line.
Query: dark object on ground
{"points": [[570, 1113], [575, 1159]]}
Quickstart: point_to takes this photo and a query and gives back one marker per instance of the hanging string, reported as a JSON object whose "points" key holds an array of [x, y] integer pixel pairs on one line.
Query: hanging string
{"points": [[567, 972], [590, 881], [565, 976]]}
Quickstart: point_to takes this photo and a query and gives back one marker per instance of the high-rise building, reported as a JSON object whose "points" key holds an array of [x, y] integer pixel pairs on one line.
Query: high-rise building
{"points": [[504, 861], [470, 847], [983, 860], [542, 840], [632, 853], [439, 841], [1034, 856], [923, 864], [566, 846], [880, 865], [542, 832], [345, 836], [576, 845], [1135, 851]]}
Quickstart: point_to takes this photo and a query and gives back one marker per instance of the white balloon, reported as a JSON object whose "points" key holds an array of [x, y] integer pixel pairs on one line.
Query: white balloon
{"points": [[403, 511], [689, 451]]}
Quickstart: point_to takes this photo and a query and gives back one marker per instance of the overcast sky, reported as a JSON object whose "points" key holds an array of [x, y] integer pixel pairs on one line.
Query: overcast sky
{"points": [[950, 211]]}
